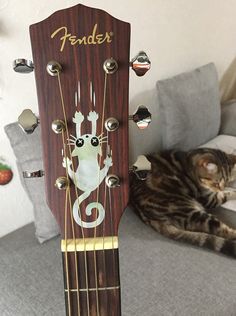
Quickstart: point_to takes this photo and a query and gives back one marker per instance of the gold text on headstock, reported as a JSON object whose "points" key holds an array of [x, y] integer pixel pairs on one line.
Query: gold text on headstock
{"points": [[92, 39]]}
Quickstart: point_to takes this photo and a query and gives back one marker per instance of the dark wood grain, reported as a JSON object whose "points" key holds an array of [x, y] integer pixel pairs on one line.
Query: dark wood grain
{"points": [[84, 63], [108, 283]]}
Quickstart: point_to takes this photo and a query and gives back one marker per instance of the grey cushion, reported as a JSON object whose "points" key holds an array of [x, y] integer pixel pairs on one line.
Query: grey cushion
{"points": [[158, 276], [28, 152], [190, 108], [228, 118]]}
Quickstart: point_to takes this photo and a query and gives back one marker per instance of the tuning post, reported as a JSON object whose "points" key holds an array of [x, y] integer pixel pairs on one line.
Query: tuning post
{"points": [[62, 183], [23, 66], [33, 174], [111, 124], [140, 64], [142, 117], [28, 121], [53, 68], [110, 66], [58, 126], [112, 181]]}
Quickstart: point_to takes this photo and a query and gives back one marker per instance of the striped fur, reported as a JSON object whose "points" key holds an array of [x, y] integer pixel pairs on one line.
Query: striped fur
{"points": [[178, 193]]}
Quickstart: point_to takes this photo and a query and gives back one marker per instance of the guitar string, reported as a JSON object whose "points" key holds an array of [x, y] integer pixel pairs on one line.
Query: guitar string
{"points": [[66, 256], [98, 188], [73, 230], [76, 191], [103, 250], [115, 267], [105, 189], [112, 234]]}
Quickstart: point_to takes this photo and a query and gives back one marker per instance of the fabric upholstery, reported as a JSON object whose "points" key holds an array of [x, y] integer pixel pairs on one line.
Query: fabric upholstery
{"points": [[158, 276], [28, 152], [190, 108], [228, 118]]}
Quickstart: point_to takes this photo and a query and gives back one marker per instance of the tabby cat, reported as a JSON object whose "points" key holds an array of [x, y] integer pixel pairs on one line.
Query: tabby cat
{"points": [[179, 191]]}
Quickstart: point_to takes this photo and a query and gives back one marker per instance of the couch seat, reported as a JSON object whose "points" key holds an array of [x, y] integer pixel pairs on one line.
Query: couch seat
{"points": [[159, 277]]}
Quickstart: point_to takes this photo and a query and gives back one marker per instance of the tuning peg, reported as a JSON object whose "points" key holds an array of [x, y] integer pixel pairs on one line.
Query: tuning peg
{"points": [[23, 66], [33, 174], [142, 117], [28, 121], [141, 167], [140, 64]]}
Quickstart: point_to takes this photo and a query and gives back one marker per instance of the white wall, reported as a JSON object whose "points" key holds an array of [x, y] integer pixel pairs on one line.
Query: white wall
{"points": [[178, 35]]}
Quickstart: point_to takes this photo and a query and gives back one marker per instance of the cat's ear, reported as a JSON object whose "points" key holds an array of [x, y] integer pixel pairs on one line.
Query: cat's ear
{"points": [[207, 166], [233, 160], [211, 167]]}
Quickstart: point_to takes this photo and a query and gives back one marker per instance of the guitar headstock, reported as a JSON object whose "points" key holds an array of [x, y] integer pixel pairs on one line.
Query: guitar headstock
{"points": [[81, 64], [81, 61]]}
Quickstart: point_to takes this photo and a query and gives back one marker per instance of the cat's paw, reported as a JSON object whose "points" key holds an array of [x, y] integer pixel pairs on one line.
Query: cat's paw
{"points": [[78, 118], [93, 116], [108, 161], [66, 162]]}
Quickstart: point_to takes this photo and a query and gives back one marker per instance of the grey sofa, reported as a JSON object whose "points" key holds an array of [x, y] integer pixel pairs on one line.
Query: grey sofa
{"points": [[159, 277]]}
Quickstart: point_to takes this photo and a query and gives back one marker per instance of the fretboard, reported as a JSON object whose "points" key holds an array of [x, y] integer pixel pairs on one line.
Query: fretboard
{"points": [[92, 283]]}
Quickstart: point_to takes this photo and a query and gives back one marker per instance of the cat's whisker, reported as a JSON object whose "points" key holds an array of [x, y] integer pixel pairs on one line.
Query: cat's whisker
{"points": [[100, 135], [105, 137], [71, 140], [73, 136]]}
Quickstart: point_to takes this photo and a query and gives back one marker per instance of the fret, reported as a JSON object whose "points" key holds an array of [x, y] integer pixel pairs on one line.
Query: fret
{"points": [[108, 282], [94, 289]]}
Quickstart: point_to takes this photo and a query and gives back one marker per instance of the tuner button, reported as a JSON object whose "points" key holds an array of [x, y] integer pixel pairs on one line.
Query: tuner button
{"points": [[23, 66], [112, 181], [33, 174], [140, 64], [28, 121], [142, 117]]}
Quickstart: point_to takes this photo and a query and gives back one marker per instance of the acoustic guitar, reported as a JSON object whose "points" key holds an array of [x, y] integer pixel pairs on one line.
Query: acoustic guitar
{"points": [[81, 64]]}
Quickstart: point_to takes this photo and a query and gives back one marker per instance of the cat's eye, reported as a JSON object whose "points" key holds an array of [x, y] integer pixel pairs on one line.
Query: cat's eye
{"points": [[94, 141], [79, 142]]}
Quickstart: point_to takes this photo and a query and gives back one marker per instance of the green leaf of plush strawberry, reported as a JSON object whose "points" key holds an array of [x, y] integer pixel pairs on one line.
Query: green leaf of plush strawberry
{"points": [[5, 174]]}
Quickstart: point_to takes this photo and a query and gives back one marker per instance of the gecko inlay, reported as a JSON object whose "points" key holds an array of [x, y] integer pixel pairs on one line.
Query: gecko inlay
{"points": [[88, 175]]}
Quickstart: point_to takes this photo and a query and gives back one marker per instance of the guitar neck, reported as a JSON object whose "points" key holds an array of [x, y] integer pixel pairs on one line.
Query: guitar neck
{"points": [[91, 278], [81, 58]]}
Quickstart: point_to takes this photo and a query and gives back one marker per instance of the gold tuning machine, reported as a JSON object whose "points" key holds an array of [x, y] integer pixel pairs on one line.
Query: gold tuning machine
{"points": [[142, 117], [140, 64]]}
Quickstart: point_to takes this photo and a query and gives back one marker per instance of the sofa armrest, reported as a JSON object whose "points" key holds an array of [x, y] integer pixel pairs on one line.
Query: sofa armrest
{"points": [[228, 118]]}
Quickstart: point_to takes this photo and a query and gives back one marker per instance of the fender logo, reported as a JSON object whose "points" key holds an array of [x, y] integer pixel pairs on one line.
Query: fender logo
{"points": [[92, 39]]}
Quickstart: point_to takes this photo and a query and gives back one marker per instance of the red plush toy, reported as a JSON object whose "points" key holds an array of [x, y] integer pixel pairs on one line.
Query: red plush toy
{"points": [[5, 174]]}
